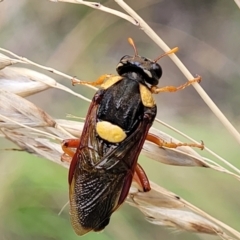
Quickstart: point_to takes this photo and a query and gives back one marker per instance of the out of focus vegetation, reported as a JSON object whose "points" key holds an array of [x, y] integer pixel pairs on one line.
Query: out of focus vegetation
{"points": [[87, 43]]}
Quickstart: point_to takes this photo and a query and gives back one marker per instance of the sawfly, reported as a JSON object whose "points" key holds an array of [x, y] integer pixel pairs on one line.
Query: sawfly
{"points": [[117, 123]]}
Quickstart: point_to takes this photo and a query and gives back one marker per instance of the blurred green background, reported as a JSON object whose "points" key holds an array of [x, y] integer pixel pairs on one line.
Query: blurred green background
{"points": [[86, 43]]}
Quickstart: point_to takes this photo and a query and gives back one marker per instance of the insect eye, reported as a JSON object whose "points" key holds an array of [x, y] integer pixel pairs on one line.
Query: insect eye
{"points": [[157, 69]]}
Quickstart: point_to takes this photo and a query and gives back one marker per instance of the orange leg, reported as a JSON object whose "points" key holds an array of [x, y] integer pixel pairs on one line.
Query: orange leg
{"points": [[154, 139], [141, 178], [155, 89], [67, 146], [98, 82]]}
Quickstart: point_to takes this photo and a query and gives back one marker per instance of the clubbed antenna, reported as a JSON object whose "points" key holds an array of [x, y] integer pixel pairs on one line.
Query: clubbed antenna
{"points": [[131, 42], [167, 53]]}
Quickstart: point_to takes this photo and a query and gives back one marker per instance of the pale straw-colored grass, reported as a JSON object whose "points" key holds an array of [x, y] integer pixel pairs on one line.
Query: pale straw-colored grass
{"points": [[36, 132], [237, 2]]}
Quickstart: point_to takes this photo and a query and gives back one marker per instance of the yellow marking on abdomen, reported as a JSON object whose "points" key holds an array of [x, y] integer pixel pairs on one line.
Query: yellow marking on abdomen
{"points": [[110, 132]]}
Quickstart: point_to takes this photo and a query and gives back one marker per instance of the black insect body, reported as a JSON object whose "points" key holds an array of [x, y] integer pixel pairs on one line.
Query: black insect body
{"points": [[116, 127]]}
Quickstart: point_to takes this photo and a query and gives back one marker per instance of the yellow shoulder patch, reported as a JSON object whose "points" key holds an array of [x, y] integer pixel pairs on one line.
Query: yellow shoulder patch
{"points": [[110, 81], [146, 96], [110, 132]]}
